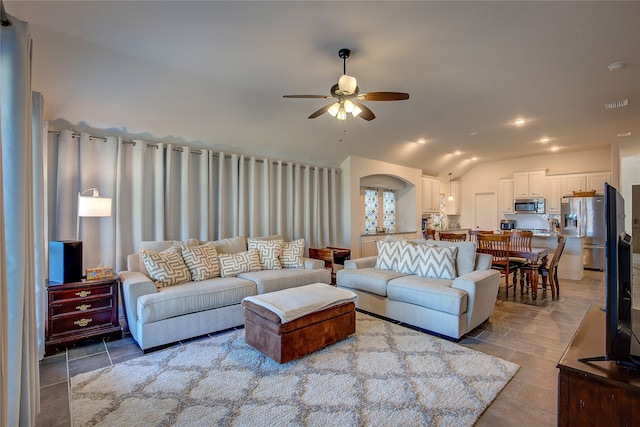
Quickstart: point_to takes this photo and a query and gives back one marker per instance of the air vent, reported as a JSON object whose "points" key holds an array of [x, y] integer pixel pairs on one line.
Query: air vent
{"points": [[616, 104], [623, 134]]}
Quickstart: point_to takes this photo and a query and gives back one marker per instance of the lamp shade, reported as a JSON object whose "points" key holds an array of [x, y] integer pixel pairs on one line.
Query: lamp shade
{"points": [[93, 205]]}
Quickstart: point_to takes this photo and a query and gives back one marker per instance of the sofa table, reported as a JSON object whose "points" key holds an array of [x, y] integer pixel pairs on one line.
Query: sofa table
{"points": [[81, 310], [332, 257]]}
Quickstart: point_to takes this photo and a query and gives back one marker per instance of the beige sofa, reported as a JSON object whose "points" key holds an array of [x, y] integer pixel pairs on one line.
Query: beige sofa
{"points": [[449, 306], [161, 315]]}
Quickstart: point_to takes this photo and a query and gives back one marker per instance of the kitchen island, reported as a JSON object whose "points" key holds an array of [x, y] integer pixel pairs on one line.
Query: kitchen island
{"points": [[571, 262]]}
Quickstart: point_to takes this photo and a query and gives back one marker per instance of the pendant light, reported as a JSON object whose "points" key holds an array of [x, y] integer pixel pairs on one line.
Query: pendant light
{"points": [[450, 198]]}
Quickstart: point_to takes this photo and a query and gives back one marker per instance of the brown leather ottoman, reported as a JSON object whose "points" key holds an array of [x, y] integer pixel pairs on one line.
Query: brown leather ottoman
{"points": [[283, 342]]}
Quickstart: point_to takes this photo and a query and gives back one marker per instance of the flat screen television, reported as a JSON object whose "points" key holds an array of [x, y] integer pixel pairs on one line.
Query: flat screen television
{"points": [[619, 298]]}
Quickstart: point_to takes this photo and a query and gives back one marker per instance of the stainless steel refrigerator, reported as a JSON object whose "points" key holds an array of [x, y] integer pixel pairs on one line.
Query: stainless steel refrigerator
{"points": [[584, 216]]}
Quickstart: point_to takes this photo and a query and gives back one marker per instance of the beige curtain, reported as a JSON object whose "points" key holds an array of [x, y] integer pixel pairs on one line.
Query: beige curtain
{"points": [[19, 377], [168, 192]]}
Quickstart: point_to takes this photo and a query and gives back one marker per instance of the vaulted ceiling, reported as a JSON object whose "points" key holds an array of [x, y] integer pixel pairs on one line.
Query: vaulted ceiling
{"points": [[212, 74]]}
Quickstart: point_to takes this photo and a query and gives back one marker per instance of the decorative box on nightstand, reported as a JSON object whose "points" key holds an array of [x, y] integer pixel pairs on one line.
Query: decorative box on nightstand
{"points": [[81, 310]]}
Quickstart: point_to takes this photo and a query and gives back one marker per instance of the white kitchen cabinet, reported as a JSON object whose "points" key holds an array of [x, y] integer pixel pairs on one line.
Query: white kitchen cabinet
{"points": [[506, 195], [554, 194], [430, 195], [596, 180], [573, 182], [529, 184], [453, 207], [369, 246]]}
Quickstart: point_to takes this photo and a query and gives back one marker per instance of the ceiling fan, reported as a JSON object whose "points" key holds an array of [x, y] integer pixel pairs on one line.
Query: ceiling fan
{"points": [[347, 95]]}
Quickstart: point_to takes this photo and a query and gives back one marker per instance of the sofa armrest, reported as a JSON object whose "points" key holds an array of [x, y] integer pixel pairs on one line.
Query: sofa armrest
{"points": [[313, 264], [366, 262], [481, 287], [134, 285]]}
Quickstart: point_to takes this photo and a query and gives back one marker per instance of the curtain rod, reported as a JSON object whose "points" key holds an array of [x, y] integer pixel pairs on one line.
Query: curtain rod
{"points": [[4, 18], [180, 149]]}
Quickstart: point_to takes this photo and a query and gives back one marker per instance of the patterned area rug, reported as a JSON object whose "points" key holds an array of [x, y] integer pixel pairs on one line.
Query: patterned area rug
{"points": [[385, 374]]}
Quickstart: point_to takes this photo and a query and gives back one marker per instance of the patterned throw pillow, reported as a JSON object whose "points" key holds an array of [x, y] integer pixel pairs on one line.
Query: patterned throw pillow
{"points": [[389, 254], [242, 262], [292, 253], [166, 268], [269, 250], [202, 261], [436, 262]]}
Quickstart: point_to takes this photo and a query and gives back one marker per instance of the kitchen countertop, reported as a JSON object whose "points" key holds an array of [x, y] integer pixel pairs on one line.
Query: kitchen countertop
{"points": [[388, 233]]}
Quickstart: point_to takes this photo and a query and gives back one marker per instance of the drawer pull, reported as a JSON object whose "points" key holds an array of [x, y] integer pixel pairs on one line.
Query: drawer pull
{"points": [[83, 294], [83, 307], [82, 322]]}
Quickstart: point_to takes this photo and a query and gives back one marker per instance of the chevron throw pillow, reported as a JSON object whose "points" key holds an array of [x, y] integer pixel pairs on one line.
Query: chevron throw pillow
{"points": [[242, 262], [436, 262], [269, 251], [166, 268], [292, 253], [389, 254], [202, 261]]}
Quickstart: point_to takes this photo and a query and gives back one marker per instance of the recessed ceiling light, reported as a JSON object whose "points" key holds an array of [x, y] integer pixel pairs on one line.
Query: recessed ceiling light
{"points": [[616, 104], [555, 148], [422, 141], [616, 66], [473, 133], [544, 140], [474, 158], [623, 134], [457, 152], [519, 122]]}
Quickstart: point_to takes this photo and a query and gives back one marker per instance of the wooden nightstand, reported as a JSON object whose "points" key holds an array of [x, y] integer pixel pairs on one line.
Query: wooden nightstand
{"points": [[81, 310]]}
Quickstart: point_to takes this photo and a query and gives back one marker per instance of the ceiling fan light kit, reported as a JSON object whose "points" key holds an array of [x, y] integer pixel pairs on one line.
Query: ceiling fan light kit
{"points": [[347, 94]]}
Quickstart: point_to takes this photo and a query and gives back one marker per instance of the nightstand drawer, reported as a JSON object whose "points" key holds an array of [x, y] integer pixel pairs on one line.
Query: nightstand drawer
{"points": [[70, 323], [79, 305], [88, 292]]}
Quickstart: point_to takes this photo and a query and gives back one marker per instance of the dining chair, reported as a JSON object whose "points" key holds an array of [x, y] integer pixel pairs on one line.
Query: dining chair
{"points": [[498, 246], [473, 234], [453, 237], [429, 233], [549, 270], [520, 241]]}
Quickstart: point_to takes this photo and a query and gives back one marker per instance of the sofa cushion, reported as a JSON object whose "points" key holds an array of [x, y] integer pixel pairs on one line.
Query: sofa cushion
{"points": [[276, 280], [166, 268], [436, 294], [202, 261], [241, 262], [368, 279], [292, 253], [193, 297], [428, 261], [269, 251], [465, 258], [232, 245]]}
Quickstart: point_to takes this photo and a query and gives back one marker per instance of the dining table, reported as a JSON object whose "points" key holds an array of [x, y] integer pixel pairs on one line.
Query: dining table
{"points": [[537, 255]]}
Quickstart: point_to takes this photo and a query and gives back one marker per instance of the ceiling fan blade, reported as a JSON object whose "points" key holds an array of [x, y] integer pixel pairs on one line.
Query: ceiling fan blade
{"points": [[366, 113], [307, 96], [320, 111], [384, 96]]}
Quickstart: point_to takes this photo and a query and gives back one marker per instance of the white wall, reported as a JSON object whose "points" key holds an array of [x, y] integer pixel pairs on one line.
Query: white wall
{"points": [[409, 200], [486, 176]]}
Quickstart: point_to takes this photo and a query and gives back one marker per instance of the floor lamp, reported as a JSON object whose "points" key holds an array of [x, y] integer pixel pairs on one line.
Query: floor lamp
{"points": [[90, 204]]}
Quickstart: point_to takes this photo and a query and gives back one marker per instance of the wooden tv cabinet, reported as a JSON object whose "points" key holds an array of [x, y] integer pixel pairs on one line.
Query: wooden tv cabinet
{"points": [[595, 393]]}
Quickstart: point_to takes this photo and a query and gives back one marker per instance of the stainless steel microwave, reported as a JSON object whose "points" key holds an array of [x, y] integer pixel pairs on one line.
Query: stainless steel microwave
{"points": [[529, 206]]}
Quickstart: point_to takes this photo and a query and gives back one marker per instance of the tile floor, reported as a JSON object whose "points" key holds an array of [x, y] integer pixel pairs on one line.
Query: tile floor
{"points": [[530, 333]]}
